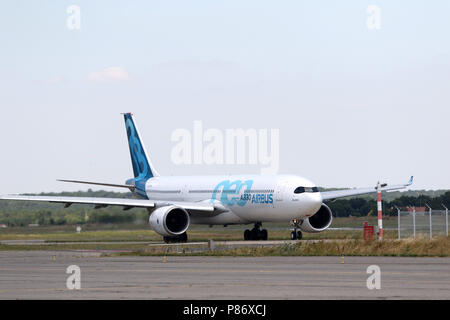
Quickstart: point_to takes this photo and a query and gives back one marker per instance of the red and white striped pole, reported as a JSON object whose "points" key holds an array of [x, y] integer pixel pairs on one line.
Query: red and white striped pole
{"points": [[380, 212]]}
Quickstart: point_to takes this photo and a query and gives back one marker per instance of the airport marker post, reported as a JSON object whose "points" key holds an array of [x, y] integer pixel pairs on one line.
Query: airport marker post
{"points": [[398, 223], [446, 220], [414, 220], [431, 225], [380, 212]]}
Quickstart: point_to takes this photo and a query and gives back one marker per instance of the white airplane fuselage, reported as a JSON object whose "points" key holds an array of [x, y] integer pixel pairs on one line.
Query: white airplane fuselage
{"points": [[244, 198]]}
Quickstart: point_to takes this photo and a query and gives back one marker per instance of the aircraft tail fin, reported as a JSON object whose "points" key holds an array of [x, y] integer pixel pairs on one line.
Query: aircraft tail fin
{"points": [[142, 167]]}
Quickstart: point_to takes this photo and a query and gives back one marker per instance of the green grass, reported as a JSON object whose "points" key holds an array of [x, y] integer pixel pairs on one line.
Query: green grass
{"points": [[438, 247], [64, 246], [222, 234], [71, 236], [120, 234]]}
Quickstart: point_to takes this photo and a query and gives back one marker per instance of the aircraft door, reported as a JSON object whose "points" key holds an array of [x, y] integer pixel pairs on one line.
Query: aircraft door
{"points": [[280, 192]]}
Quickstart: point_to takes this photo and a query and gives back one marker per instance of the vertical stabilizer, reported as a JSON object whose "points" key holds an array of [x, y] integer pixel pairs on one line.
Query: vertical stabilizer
{"points": [[142, 167]]}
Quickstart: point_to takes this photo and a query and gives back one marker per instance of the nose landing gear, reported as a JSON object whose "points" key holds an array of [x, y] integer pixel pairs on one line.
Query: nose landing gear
{"points": [[256, 233], [296, 234]]}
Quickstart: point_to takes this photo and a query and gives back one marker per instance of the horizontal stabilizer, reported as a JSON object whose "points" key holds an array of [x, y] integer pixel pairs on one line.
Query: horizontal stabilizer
{"points": [[131, 187]]}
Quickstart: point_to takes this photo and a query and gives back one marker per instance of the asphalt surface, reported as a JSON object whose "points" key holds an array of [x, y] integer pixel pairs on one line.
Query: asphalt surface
{"points": [[42, 275]]}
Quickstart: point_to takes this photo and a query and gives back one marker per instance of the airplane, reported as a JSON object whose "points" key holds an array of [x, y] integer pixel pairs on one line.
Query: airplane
{"points": [[176, 202]]}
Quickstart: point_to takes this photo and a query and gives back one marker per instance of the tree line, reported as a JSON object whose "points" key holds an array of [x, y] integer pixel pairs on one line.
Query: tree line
{"points": [[23, 213], [367, 206]]}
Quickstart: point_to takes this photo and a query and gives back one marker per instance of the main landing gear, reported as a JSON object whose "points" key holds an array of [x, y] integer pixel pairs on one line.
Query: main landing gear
{"points": [[296, 234], [176, 239], [256, 233]]}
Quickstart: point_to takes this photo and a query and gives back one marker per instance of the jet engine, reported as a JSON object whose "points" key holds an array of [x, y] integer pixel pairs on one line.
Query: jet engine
{"points": [[320, 221], [169, 221]]}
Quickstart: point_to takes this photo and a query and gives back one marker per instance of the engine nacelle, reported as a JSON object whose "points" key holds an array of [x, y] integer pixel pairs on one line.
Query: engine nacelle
{"points": [[169, 221], [320, 221]]}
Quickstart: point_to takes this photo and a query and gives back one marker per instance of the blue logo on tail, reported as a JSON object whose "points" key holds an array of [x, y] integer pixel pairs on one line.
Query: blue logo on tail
{"points": [[141, 167]]}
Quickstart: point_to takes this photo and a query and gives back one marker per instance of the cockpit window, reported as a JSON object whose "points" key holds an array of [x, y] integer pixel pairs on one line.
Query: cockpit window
{"points": [[306, 189], [299, 190]]}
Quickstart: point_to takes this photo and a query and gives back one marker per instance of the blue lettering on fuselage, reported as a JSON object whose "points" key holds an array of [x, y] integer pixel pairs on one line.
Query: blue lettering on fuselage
{"points": [[262, 198], [232, 189]]}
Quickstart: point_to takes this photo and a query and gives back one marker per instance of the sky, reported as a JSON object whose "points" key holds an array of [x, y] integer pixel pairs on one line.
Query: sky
{"points": [[353, 104]]}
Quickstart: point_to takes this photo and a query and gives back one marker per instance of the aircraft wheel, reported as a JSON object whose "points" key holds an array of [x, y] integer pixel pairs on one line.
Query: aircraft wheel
{"points": [[299, 235], [254, 234], [263, 234], [179, 238], [247, 235], [293, 235]]}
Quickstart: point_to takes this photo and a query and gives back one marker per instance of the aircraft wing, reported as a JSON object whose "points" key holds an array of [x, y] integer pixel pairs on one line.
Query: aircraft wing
{"points": [[125, 203], [331, 195]]}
